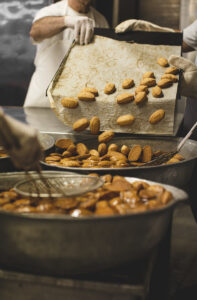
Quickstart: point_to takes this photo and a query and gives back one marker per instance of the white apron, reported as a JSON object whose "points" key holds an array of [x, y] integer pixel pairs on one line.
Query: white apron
{"points": [[50, 52], [50, 60]]}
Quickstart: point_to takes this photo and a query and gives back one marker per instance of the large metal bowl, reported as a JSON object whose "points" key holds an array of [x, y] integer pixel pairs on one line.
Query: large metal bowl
{"points": [[178, 174], [62, 245]]}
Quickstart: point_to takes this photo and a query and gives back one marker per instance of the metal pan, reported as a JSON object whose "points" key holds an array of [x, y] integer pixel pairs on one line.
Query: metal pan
{"points": [[60, 245], [143, 37], [47, 142], [178, 174]]}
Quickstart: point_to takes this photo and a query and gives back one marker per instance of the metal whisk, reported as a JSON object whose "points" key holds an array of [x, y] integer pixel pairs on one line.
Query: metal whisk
{"points": [[166, 156], [52, 186], [59, 186]]}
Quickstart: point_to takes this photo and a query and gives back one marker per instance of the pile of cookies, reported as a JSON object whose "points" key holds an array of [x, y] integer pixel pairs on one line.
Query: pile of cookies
{"points": [[69, 154], [117, 196], [140, 97]]}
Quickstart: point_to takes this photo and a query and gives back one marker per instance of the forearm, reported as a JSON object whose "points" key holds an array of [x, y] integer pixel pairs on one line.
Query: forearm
{"points": [[187, 48], [46, 28]]}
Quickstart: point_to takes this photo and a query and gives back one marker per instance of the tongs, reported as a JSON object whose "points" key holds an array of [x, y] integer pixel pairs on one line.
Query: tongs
{"points": [[166, 156]]}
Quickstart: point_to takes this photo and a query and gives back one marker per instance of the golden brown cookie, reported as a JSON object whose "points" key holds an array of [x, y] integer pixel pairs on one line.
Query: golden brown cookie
{"points": [[95, 125], [81, 124], [148, 82], [109, 88], [124, 98], [69, 102], [135, 153], [140, 97], [105, 136], [163, 62], [128, 83], [125, 120], [157, 116], [86, 96], [157, 92]]}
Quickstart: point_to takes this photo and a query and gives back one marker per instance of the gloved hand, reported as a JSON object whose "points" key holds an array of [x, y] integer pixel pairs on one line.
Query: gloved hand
{"points": [[83, 28], [137, 25], [20, 142], [188, 87]]}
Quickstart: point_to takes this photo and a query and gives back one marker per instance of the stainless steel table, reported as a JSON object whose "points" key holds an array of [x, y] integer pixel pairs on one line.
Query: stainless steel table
{"points": [[42, 119]]}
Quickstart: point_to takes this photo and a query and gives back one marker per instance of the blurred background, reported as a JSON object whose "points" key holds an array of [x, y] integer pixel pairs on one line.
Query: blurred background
{"points": [[17, 53]]}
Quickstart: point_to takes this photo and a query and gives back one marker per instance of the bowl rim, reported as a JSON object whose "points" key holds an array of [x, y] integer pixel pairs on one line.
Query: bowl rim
{"points": [[94, 170], [67, 218]]}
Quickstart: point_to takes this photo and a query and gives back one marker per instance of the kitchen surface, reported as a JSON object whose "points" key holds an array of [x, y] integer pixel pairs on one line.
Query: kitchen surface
{"points": [[97, 183]]}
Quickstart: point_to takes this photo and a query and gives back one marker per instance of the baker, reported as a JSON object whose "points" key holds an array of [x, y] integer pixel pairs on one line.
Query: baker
{"points": [[53, 31], [188, 87], [20, 142]]}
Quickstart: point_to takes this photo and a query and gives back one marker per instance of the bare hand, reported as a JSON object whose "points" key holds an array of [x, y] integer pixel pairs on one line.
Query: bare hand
{"points": [[20, 142]]}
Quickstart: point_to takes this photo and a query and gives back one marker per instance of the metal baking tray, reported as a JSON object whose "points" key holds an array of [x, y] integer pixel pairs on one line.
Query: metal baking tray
{"points": [[178, 174], [61, 245], [143, 37], [141, 59]]}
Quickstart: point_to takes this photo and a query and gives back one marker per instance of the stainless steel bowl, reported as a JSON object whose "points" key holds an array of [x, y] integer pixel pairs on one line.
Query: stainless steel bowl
{"points": [[177, 174], [62, 245]]}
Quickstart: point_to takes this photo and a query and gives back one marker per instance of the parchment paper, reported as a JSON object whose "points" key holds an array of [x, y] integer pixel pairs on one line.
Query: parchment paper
{"points": [[107, 60]]}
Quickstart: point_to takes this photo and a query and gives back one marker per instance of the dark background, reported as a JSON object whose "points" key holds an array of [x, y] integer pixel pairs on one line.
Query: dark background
{"points": [[17, 53]]}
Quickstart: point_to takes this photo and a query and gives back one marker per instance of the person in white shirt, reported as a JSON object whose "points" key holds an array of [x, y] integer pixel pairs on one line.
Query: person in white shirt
{"points": [[53, 31]]}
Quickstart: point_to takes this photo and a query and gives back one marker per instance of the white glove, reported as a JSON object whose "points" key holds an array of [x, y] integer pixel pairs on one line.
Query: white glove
{"points": [[140, 25], [20, 141], [83, 28], [188, 87]]}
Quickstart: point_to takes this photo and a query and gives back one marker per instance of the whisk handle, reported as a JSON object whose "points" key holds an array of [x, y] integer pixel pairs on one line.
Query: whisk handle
{"points": [[180, 145]]}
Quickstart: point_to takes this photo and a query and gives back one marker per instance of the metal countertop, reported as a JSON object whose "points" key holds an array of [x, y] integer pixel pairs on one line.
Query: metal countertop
{"points": [[42, 119]]}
